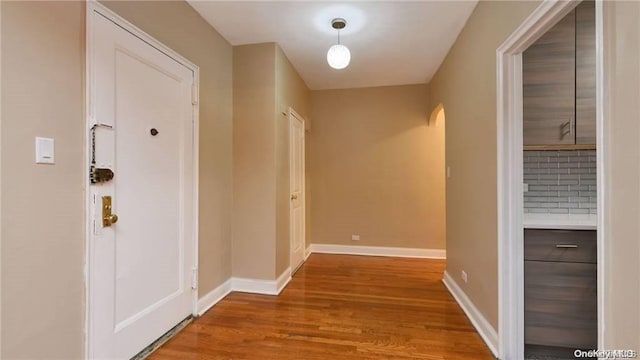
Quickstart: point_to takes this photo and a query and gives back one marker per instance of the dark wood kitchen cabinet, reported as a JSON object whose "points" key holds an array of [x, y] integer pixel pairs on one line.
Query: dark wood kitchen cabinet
{"points": [[561, 288], [559, 84], [586, 73]]}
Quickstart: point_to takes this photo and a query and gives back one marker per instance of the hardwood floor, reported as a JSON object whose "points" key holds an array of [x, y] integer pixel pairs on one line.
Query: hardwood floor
{"points": [[338, 307]]}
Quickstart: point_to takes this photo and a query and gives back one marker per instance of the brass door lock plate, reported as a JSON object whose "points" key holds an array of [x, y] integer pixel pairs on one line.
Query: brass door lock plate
{"points": [[107, 217]]}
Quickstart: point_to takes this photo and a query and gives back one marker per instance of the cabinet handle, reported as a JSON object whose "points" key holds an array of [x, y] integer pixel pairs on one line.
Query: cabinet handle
{"points": [[571, 125], [567, 246], [564, 130]]}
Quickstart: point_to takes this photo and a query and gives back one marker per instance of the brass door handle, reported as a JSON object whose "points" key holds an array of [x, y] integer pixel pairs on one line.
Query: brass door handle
{"points": [[107, 217], [294, 197]]}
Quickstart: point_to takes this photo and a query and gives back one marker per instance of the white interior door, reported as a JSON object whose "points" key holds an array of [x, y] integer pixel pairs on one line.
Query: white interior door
{"points": [[140, 267], [296, 185]]}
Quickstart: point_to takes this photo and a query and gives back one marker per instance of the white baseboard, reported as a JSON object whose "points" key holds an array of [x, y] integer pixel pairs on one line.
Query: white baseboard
{"points": [[258, 286], [274, 287], [283, 280], [307, 252], [255, 286], [378, 251], [484, 328], [213, 297]]}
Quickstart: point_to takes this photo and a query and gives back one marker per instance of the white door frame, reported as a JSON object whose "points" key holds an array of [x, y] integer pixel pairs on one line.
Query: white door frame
{"points": [[510, 173], [293, 114], [0, 177], [96, 9]]}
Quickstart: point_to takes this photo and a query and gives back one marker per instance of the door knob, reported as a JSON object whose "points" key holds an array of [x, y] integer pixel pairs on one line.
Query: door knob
{"points": [[107, 217], [294, 197], [112, 219]]}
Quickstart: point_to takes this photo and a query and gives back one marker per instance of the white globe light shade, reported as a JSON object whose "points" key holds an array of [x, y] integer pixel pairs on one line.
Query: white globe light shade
{"points": [[338, 56]]}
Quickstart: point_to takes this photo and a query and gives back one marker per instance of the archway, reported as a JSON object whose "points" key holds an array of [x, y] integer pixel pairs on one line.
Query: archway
{"points": [[437, 128]]}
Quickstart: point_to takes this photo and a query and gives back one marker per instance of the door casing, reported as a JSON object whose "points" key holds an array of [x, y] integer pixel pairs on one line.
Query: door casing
{"points": [[294, 116], [510, 173], [92, 8]]}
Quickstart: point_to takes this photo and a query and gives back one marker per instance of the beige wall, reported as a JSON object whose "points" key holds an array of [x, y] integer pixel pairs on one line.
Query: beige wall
{"points": [[377, 168], [43, 234], [265, 86], [471, 152], [465, 84], [201, 44], [254, 161], [291, 91], [43, 51], [622, 177]]}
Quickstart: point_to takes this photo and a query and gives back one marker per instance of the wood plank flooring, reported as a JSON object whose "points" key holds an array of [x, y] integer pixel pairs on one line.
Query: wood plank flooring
{"points": [[338, 307]]}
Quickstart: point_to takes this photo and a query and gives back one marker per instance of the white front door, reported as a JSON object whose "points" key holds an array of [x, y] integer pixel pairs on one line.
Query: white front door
{"points": [[140, 267], [296, 185]]}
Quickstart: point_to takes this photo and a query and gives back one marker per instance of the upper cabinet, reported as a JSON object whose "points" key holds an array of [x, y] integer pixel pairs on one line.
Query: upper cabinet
{"points": [[559, 83], [549, 86], [586, 73]]}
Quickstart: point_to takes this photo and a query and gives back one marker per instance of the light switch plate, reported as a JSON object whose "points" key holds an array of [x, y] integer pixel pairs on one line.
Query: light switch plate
{"points": [[45, 153]]}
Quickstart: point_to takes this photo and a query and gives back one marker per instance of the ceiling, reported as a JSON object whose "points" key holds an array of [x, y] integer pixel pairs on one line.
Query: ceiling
{"points": [[391, 42]]}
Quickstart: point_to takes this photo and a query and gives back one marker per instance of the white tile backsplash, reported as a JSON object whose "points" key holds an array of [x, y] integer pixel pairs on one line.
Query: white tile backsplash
{"points": [[560, 182]]}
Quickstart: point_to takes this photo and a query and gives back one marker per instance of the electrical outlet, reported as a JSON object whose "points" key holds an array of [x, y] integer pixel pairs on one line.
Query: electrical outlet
{"points": [[355, 237], [463, 274]]}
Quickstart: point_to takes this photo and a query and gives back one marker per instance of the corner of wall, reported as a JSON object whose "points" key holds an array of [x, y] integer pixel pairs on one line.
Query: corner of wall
{"points": [[254, 161], [291, 92], [487, 332], [471, 190]]}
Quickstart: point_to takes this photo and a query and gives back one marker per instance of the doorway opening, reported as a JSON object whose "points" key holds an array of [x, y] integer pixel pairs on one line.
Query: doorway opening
{"points": [[437, 138], [511, 176]]}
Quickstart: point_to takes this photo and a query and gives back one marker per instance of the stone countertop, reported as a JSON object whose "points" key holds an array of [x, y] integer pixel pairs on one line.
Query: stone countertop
{"points": [[560, 221]]}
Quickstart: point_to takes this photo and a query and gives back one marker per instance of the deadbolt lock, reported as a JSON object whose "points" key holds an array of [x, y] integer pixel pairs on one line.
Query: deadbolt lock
{"points": [[100, 175], [107, 217]]}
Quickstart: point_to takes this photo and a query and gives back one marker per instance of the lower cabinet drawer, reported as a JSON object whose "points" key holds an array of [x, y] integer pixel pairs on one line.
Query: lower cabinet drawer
{"points": [[561, 304], [561, 245]]}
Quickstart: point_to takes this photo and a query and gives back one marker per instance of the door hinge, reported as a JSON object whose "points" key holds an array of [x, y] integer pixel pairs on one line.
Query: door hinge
{"points": [[194, 278], [194, 94]]}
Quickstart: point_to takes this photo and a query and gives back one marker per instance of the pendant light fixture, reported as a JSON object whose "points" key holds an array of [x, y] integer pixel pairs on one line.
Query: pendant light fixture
{"points": [[338, 55]]}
